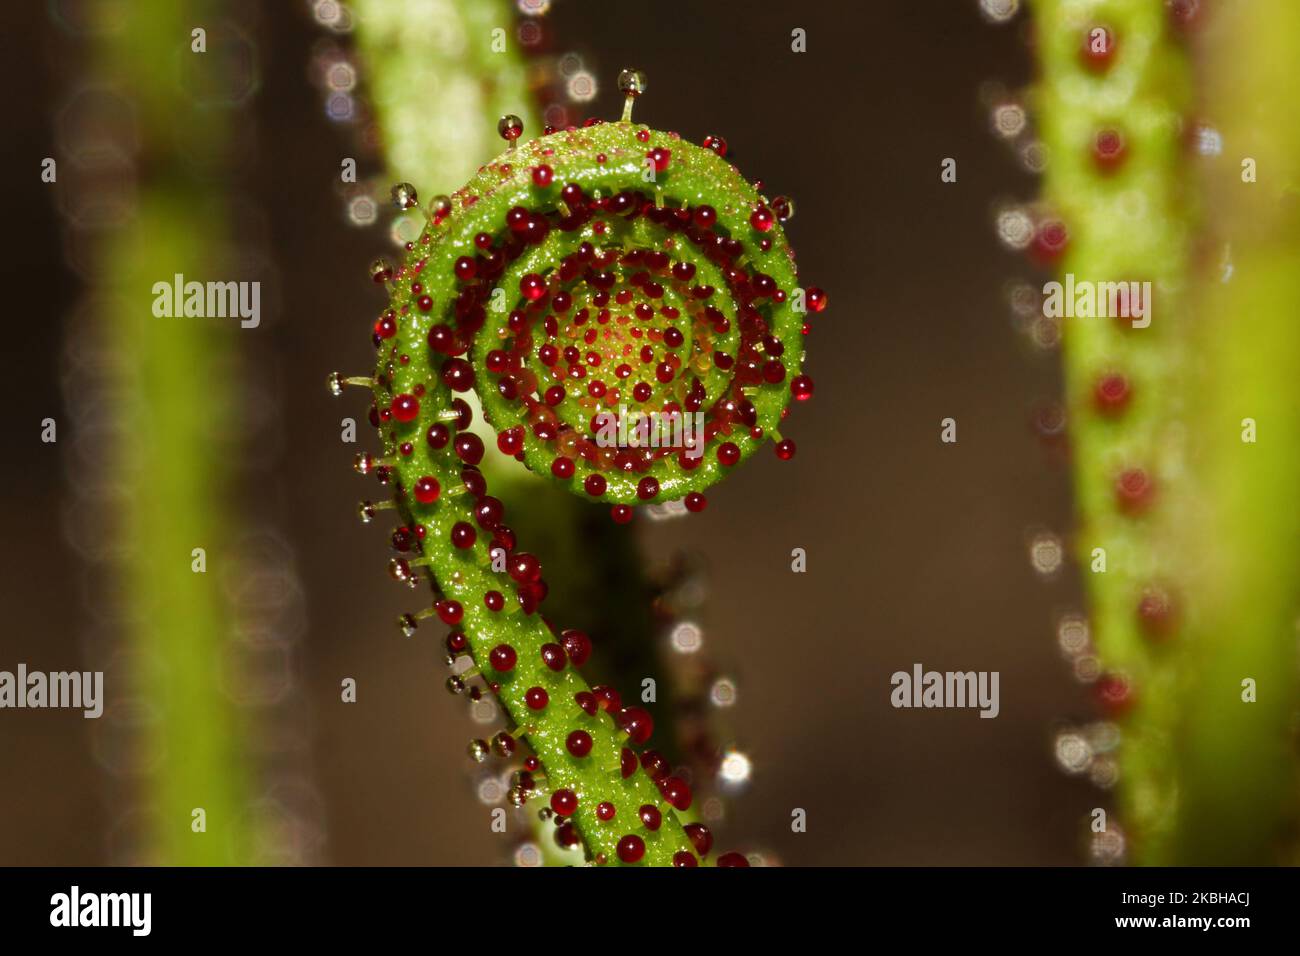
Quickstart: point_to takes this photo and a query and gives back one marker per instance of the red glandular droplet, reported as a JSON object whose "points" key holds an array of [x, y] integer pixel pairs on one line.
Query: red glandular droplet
{"points": [[566, 835], [700, 836], [511, 441], [488, 512], [438, 435], [1049, 242], [801, 387], [502, 658], [405, 408], [1112, 393], [469, 448], [637, 723], [572, 195], [525, 568], [442, 339], [660, 157], [474, 481], [536, 698], [1157, 611], [631, 848], [427, 489], [1114, 693], [609, 698], [578, 743], [1134, 490], [458, 375], [564, 802], [655, 764], [577, 645], [553, 656], [676, 791], [532, 287], [1109, 149]]}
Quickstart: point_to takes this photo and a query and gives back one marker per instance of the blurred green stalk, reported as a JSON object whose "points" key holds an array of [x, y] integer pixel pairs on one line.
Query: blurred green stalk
{"points": [[176, 403], [1236, 761], [1205, 776]]}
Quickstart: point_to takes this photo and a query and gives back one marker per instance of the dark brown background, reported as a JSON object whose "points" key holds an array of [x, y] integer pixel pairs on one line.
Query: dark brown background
{"points": [[916, 549]]}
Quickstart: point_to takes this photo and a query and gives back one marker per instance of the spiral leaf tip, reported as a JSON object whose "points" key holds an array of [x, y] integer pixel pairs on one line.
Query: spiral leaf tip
{"points": [[625, 306]]}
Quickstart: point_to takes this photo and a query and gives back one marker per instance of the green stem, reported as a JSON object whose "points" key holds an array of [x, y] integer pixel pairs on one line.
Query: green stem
{"points": [[1198, 590], [1236, 760], [171, 401], [432, 82]]}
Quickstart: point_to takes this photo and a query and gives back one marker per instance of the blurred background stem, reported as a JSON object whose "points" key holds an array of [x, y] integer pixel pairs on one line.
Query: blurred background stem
{"points": [[1236, 760], [171, 404], [1200, 588]]}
